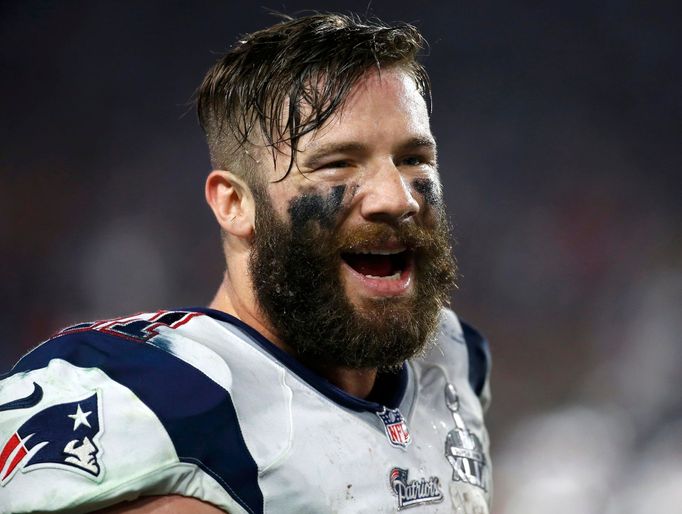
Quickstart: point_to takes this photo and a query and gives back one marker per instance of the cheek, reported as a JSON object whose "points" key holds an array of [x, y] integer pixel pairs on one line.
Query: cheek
{"points": [[322, 207], [429, 190]]}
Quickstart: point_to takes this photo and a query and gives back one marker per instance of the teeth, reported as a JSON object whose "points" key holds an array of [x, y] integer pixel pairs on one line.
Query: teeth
{"points": [[395, 276], [379, 252]]}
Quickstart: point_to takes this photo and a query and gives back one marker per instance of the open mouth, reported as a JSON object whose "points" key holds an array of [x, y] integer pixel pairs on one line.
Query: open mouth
{"points": [[381, 264]]}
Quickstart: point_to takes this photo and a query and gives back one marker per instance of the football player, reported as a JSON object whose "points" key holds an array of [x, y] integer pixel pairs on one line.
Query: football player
{"points": [[327, 374]]}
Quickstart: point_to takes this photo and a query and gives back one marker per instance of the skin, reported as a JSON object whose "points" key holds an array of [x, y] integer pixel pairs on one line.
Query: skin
{"points": [[314, 206], [374, 162], [429, 191], [164, 505], [378, 146]]}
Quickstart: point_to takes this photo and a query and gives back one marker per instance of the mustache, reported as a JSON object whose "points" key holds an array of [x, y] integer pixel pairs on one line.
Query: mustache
{"points": [[369, 235]]}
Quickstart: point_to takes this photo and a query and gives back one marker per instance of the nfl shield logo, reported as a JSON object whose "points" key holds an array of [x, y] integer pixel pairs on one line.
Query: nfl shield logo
{"points": [[395, 427]]}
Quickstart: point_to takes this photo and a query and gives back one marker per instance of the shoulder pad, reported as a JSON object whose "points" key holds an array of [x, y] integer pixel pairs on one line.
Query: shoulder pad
{"points": [[464, 349], [479, 357], [194, 409]]}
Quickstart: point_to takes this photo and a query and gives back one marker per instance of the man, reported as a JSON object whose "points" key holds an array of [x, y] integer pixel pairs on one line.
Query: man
{"points": [[326, 376]]}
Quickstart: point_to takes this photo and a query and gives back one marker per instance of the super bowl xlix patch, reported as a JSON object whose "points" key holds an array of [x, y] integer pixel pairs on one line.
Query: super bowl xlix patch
{"points": [[463, 449]]}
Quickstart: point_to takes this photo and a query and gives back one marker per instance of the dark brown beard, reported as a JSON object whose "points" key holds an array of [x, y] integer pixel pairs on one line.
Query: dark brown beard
{"points": [[296, 272]]}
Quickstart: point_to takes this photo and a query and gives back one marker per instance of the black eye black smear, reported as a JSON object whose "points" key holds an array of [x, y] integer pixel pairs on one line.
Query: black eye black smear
{"points": [[427, 188], [314, 206]]}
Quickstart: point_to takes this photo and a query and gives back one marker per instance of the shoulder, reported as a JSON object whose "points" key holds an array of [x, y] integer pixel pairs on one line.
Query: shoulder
{"points": [[131, 347], [115, 409], [462, 347], [478, 351]]}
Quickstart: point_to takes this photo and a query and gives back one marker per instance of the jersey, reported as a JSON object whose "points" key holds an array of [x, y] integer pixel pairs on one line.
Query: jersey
{"points": [[197, 403]]}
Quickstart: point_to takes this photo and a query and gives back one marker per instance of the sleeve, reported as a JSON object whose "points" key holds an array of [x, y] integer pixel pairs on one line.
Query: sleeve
{"points": [[88, 420]]}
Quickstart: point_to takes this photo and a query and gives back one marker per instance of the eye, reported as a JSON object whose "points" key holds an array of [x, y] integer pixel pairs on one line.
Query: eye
{"points": [[334, 164], [413, 161], [416, 160]]}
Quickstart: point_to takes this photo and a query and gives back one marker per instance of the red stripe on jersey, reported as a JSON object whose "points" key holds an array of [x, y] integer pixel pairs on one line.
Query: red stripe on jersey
{"points": [[8, 449], [17, 459]]}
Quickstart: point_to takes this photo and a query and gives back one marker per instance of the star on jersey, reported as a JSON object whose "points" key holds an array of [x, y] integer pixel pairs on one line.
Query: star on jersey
{"points": [[80, 418]]}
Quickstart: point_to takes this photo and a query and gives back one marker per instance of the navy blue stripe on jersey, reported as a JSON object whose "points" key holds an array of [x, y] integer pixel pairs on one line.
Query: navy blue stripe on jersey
{"points": [[197, 413], [321, 384], [479, 357]]}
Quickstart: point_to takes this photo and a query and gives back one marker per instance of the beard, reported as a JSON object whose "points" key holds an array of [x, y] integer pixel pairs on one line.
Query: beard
{"points": [[296, 272]]}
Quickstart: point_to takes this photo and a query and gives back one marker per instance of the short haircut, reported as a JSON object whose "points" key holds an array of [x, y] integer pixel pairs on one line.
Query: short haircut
{"points": [[280, 83]]}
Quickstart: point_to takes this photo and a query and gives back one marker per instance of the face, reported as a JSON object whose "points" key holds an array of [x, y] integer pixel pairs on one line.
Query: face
{"points": [[82, 454], [351, 260]]}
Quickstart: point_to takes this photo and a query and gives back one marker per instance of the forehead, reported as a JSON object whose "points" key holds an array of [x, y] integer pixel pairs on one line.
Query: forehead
{"points": [[379, 101], [384, 109]]}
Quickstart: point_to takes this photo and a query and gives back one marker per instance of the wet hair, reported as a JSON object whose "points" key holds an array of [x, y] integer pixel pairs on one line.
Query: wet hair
{"points": [[280, 83]]}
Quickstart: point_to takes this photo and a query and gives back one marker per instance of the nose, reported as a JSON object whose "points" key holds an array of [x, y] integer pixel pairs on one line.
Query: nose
{"points": [[388, 196]]}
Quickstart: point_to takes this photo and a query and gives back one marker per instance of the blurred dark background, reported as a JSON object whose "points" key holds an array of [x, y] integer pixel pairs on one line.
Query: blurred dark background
{"points": [[559, 130]]}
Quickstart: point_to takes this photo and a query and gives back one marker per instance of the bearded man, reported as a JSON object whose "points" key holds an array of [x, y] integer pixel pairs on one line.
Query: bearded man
{"points": [[327, 375]]}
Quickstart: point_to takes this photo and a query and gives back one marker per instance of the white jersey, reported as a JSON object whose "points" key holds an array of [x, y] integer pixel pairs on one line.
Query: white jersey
{"points": [[194, 402]]}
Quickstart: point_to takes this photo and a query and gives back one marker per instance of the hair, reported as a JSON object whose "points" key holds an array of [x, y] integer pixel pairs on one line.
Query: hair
{"points": [[280, 83]]}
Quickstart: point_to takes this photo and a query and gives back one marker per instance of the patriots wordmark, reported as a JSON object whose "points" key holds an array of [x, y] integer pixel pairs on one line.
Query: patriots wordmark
{"points": [[411, 493]]}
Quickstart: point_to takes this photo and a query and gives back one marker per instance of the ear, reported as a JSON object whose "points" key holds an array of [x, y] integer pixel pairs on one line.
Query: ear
{"points": [[232, 203]]}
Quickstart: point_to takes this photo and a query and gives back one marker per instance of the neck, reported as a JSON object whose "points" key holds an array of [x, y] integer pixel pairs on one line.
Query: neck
{"points": [[357, 382]]}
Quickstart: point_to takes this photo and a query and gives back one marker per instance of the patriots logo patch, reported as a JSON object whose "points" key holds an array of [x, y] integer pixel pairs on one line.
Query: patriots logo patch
{"points": [[411, 493], [64, 436]]}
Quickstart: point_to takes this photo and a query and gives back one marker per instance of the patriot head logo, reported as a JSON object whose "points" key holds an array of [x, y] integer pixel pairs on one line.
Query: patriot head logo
{"points": [[62, 436]]}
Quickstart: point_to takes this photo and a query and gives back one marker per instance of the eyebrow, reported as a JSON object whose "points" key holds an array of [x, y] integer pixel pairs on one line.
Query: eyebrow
{"points": [[321, 152], [415, 143]]}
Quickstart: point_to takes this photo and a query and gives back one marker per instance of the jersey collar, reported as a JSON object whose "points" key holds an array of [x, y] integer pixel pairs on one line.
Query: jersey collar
{"points": [[391, 387]]}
